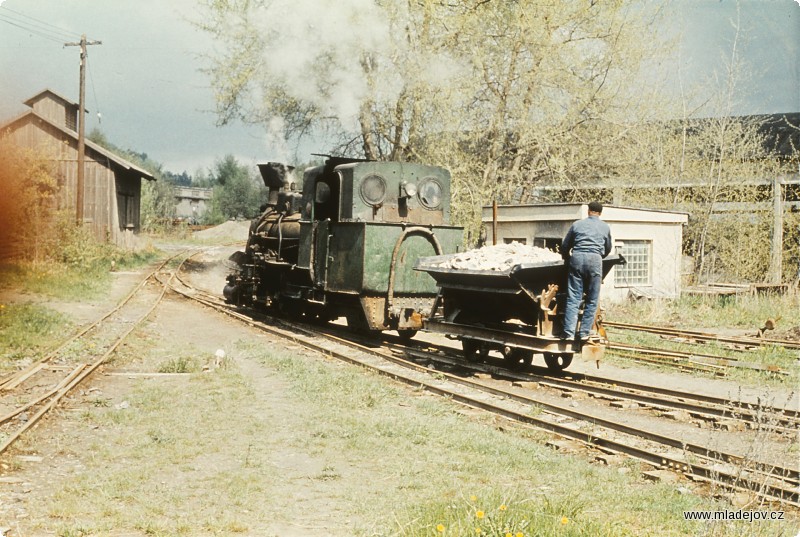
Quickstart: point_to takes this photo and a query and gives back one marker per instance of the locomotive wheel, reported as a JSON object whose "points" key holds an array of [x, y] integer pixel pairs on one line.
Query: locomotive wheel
{"points": [[317, 318], [356, 322], [406, 334], [557, 362]]}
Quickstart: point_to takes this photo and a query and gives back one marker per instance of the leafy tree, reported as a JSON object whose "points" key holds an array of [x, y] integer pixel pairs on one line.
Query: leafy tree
{"points": [[237, 193], [27, 206], [157, 205], [181, 179], [510, 96], [503, 93]]}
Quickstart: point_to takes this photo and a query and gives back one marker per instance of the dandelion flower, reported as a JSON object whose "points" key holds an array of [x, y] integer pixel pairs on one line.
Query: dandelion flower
{"points": [[564, 521], [503, 507], [440, 528], [477, 531], [479, 514], [473, 498], [509, 535], [519, 534]]}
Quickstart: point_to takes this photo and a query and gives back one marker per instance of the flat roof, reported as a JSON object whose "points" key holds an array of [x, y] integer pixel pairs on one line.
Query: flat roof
{"points": [[573, 211]]}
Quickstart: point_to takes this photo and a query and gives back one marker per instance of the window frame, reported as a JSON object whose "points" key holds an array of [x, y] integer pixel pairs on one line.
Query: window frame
{"points": [[637, 263]]}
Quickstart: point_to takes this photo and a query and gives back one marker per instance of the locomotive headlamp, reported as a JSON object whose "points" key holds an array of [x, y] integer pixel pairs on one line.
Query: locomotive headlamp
{"points": [[408, 190], [430, 193], [373, 190]]}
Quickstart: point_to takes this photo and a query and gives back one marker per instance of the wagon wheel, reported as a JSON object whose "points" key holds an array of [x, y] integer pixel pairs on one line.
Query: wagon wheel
{"points": [[475, 350], [515, 357], [471, 349], [557, 362], [406, 334]]}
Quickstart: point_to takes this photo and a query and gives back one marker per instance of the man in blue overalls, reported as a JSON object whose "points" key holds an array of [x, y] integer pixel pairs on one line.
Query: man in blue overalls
{"points": [[584, 246]]}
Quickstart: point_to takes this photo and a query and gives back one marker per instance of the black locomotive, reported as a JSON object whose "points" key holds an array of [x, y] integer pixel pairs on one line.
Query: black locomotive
{"points": [[343, 243]]}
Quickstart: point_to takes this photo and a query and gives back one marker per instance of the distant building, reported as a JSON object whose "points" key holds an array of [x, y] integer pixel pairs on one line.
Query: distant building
{"points": [[649, 240], [191, 202], [112, 185]]}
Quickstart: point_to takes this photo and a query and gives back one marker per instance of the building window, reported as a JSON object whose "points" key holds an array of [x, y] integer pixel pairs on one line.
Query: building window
{"points": [[638, 257], [509, 240], [70, 119], [550, 244]]}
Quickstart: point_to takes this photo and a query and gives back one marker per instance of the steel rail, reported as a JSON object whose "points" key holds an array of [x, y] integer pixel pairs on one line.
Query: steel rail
{"points": [[58, 392], [789, 494], [704, 336], [19, 410], [704, 359], [722, 408], [674, 363], [576, 380]]}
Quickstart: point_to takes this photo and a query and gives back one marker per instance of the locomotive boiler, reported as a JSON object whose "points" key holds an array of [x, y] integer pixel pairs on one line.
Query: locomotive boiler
{"points": [[344, 241]]}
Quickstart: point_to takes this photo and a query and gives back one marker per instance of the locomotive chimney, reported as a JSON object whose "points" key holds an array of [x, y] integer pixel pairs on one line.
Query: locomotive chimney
{"points": [[277, 176]]}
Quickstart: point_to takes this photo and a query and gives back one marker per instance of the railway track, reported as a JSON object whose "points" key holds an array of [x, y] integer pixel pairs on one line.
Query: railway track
{"points": [[695, 335], [767, 481], [716, 411], [692, 360], [60, 373]]}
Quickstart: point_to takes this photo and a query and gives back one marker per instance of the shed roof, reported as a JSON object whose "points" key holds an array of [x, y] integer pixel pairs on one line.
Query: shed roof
{"points": [[112, 157], [45, 92]]}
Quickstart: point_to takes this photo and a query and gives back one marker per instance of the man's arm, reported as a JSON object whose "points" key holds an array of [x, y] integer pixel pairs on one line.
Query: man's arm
{"points": [[607, 244], [566, 244]]}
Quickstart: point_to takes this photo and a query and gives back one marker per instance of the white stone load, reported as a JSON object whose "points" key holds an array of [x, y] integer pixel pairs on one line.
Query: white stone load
{"points": [[500, 257]]}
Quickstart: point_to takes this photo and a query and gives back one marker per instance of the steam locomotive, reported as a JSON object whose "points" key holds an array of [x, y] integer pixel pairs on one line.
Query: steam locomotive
{"points": [[343, 243]]}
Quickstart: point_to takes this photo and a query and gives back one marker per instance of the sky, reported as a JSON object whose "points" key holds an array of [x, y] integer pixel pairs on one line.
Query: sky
{"points": [[145, 89]]}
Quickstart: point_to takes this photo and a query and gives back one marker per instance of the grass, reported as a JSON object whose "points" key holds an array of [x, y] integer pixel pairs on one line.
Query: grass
{"points": [[747, 312], [26, 329], [715, 314], [72, 281], [180, 364]]}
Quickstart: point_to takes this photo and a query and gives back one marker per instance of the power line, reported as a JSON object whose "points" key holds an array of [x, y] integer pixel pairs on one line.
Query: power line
{"points": [[36, 25], [94, 93], [31, 30]]}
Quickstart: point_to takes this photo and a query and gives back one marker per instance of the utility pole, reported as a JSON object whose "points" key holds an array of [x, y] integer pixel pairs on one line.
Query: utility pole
{"points": [[81, 125], [776, 259]]}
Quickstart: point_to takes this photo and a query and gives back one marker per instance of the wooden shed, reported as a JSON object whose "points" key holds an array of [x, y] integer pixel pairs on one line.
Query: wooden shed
{"points": [[112, 185], [649, 240]]}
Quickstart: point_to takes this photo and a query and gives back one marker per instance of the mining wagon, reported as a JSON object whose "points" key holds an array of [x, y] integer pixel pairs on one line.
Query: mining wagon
{"points": [[518, 311]]}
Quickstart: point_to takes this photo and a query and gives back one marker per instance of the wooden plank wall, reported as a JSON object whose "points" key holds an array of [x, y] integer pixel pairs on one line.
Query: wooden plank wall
{"points": [[55, 112], [100, 196]]}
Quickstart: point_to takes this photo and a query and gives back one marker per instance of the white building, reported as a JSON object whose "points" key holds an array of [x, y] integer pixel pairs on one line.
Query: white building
{"points": [[649, 240]]}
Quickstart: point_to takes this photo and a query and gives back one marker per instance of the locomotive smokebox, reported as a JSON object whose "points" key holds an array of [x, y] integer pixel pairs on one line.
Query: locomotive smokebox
{"points": [[277, 177]]}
